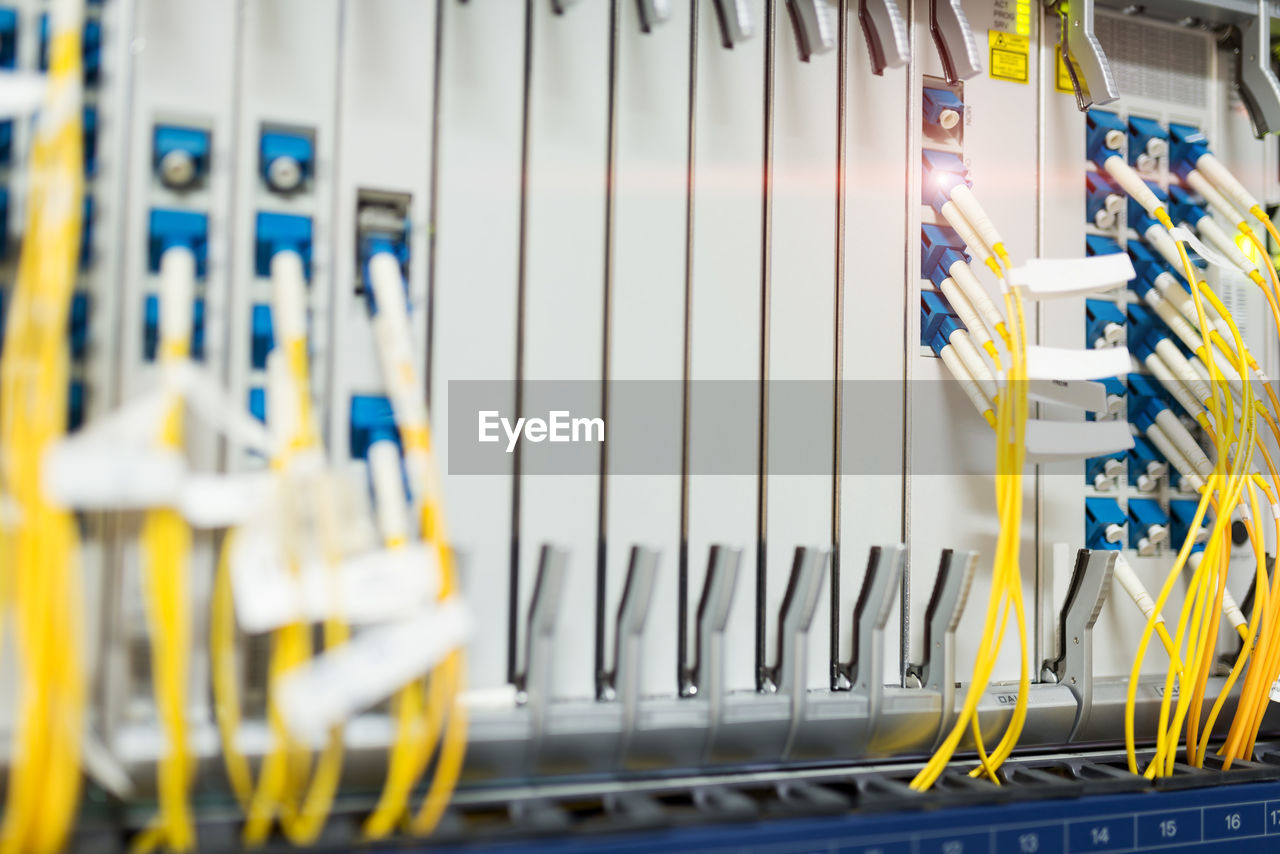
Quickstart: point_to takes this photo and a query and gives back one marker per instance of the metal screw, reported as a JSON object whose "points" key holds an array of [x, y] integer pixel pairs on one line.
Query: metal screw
{"points": [[177, 169], [284, 174]]}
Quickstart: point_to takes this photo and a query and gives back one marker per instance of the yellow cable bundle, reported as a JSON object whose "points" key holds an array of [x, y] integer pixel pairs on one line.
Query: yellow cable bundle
{"points": [[288, 788], [1197, 627], [166, 547], [40, 547], [445, 719], [1006, 587]]}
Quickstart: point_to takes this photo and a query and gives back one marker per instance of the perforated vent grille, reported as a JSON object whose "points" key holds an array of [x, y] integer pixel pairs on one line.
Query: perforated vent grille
{"points": [[1157, 63]]}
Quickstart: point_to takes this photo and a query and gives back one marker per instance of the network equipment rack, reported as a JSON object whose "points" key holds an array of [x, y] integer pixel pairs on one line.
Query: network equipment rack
{"points": [[771, 424]]}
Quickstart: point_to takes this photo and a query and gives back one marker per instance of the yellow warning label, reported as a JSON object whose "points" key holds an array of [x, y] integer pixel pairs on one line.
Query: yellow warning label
{"points": [[1062, 80], [1010, 56]]}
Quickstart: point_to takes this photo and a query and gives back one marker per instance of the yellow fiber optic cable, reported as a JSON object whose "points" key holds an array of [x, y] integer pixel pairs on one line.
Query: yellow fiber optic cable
{"points": [[413, 732], [1237, 667], [226, 678], [287, 788], [1195, 629], [446, 715], [1011, 417], [41, 552], [165, 545], [283, 787]]}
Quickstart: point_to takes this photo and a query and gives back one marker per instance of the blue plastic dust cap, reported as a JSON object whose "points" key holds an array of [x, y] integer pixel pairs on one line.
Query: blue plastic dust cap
{"points": [[278, 232]]}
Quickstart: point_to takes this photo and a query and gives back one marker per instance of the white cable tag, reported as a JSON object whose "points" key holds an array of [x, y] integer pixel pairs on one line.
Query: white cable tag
{"points": [[1056, 441], [1078, 394], [1213, 256], [1053, 363], [389, 584], [96, 476], [226, 500], [1275, 691], [1049, 278], [333, 687], [21, 93]]}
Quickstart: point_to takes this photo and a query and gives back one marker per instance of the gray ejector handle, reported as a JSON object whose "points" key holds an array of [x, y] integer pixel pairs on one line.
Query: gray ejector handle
{"points": [[880, 592], [633, 612], [1094, 83], [954, 40], [1090, 584], [937, 669], [735, 21], [535, 683], [886, 33], [1259, 88], [808, 572], [653, 12], [815, 29], [707, 675]]}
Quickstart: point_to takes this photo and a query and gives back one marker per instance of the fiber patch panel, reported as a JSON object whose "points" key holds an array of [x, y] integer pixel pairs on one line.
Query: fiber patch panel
{"points": [[931, 367]]}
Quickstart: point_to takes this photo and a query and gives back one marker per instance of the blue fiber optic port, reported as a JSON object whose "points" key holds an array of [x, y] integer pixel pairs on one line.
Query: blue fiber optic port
{"points": [[8, 37], [78, 324], [279, 232], [1096, 244], [1148, 526], [4, 222], [940, 247], [1103, 200], [261, 336], [258, 404], [180, 156], [1139, 220], [1184, 207], [1187, 144], [943, 172], [1183, 513], [86, 233], [75, 405], [286, 159], [1104, 472], [151, 328], [1143, 390], [1117, 397], [1105, 135], [90, 140], [937, 322], [90, 48], [169, 228], [1104, 324], [6, 143], [1148, 143], [1104, 524], [371, 420], [1145, 264], [8, 59], [1142, 326], [943, 114], [1146, 466], [382, 225]]}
